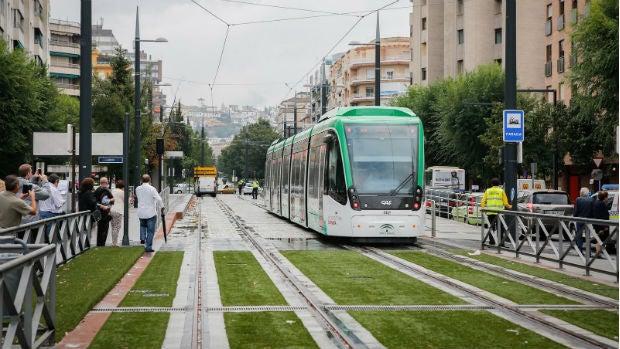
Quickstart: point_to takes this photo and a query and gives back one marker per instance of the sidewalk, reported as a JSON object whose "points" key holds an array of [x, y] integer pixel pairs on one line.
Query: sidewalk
{"points": [[87, 329]]}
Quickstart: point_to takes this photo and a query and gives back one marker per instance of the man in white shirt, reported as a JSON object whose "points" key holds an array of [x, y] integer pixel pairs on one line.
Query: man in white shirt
{"points": [[54, 205], [148, 202]]}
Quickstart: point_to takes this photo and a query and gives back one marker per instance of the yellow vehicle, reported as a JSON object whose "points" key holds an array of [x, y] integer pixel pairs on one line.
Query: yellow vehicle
{"points": [[205, 180]]}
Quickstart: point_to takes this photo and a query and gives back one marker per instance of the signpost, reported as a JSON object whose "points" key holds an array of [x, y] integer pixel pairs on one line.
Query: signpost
{"points": [[110, 159], [514, 126]]}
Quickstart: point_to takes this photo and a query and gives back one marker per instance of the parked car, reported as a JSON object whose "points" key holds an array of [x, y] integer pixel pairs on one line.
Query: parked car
{"points": [[181, 188], [468, 209], [549, 202], [247, 188], [444, 199]]}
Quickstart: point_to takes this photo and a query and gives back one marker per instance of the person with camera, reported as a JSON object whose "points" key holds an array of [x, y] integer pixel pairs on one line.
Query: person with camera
{"points": [[13, 205], [39, 184]]}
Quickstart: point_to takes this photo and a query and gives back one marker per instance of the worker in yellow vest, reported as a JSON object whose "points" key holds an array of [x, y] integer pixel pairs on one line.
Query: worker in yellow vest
{"points": [[254, 189], [240, 184], [494, 199]]}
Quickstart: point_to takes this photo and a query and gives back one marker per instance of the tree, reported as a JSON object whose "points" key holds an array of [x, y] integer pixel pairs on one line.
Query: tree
{"points": [[27, 96], [256, 138], [594, 113]]}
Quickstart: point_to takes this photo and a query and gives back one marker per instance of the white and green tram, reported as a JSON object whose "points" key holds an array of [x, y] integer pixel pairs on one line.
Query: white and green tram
{"points": [[357, 173]]}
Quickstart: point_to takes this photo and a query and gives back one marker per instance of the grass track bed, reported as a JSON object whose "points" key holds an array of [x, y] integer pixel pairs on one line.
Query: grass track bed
{"points": [[266, 330], [449, 329], [589, 286], [603, 323], [85, 280], [350, 278], [132, 330], [514, 291], [243, 282], [157, 285]]}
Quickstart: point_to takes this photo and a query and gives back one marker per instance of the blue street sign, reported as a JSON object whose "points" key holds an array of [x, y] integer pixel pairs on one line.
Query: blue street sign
{"points": [[111, 159], [513, 126]]}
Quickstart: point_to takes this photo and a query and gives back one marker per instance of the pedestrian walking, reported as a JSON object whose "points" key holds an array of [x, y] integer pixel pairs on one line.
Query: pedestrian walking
{"points": [[55, 204], [494, 199], [583, 209], [117, 210], [255, 189], [240, 184], [39, 184], [148, 203], [600, 211], [12, 202], [104, 196]]}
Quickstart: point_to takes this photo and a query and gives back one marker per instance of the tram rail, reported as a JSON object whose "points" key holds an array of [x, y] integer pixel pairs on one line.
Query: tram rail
{"points": [[577, 340]]}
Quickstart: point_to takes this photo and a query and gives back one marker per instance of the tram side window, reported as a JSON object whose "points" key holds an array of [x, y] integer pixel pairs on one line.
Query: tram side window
{"points": [[335, 174]]}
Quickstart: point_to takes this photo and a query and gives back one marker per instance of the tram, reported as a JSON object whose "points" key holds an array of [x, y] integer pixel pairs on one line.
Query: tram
{"points": [[359, 172]]}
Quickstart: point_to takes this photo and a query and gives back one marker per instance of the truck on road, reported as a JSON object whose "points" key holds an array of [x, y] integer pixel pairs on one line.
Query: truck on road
{"points": [[205, 180]]}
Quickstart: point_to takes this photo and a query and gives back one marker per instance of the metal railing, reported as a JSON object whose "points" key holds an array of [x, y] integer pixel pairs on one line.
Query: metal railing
{"points": [[28, 275], [554, 238], [70, 233]]}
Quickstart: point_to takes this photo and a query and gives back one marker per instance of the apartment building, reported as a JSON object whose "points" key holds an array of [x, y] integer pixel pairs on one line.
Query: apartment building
{"points": [[64, 64], [560, 16], [289, 109], [25, 25], [352, 76], [452, 37]]}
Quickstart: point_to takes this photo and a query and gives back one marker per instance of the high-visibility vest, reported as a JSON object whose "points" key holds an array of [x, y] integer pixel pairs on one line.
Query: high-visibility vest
{"points": [[240, 182], [495, 199], [255, 184]]}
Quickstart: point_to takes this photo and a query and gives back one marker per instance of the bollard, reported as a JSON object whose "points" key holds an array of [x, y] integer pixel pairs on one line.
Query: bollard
{"points": [[433, 220]]}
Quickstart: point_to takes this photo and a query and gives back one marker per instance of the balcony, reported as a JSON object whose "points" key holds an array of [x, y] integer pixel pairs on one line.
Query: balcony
{"points": [[561, 65], [548, 68], [370, 61]]}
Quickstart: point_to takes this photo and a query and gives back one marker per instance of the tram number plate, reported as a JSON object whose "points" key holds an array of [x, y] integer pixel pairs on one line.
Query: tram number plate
{"points": [[557, 213], [387, 213]]}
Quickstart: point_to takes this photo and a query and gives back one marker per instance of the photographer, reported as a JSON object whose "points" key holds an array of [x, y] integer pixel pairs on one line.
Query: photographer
{"points": [[13, 205], [39, 183]]}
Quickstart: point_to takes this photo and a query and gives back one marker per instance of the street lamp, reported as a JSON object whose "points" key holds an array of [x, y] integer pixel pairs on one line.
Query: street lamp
{"points": [[137, 139], [377, 63]]}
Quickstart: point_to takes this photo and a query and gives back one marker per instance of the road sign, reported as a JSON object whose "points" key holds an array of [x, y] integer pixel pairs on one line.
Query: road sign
{"points": [[110, 160], [597, 162], [513, 126]]}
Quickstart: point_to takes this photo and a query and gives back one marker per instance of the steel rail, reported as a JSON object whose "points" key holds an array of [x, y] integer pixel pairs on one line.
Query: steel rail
{"points": [[509, 309], [328, 320]]}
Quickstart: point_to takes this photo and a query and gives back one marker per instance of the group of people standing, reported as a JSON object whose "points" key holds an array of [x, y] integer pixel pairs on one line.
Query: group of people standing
{"points": [[30, 196], [588, 206], [255, 186]]}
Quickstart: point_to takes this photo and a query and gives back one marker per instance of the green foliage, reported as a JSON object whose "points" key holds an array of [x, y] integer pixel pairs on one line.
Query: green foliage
{"points": [[266, 330], [27, 95], [594, 115], [506, 288], [449, 329], [351, 278], [242, 280], [94, 273], [255, 139]]}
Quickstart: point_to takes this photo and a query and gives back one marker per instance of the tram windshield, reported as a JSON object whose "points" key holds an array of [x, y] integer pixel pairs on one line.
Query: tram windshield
{"points": [[383, 158]]}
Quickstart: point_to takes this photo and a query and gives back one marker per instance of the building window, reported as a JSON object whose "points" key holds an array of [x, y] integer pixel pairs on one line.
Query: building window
{"points": [[389, 74], [498, 35], [561, 7], [423, 49], [459, 66], [549, 11], [561, 17], [459, 7], [424, 23], [498, 61], [549, 22], [498, 7], [423, 74], [548, 63], [561, 56], [561, 91], [370, 92], [460, 36]]}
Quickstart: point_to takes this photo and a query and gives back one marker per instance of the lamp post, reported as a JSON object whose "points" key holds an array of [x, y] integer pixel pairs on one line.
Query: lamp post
{"points": [[377, 63], [137, 108]]}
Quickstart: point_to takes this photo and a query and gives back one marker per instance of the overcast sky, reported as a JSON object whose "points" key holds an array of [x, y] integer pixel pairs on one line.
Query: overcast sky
{"points": [[259, 60]]}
